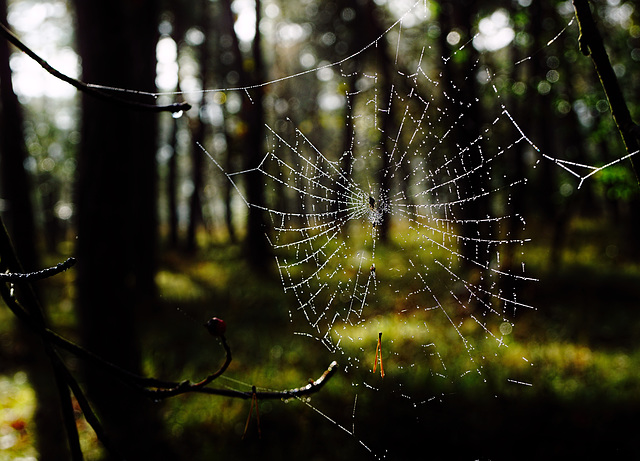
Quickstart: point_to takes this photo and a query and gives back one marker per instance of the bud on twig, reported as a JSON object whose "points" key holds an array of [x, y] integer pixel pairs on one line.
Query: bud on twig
{"points": [[216, 326]]}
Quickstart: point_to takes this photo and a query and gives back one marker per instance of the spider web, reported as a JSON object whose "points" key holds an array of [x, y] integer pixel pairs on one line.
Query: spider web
{"points": [[423, 247], [410, 232], [444, 197]]}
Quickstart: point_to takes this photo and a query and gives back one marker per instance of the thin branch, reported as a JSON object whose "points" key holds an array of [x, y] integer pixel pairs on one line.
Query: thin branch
{"points": [[153, 387], [311, 388], [33, 312], [63, 375], [591, 44], [38, 275], [156, 389], [86, 88], [68, 415], [87, 411]]}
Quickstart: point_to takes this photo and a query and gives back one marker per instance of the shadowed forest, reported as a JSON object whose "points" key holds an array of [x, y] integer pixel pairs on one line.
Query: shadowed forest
{"points": [[354, 229]]}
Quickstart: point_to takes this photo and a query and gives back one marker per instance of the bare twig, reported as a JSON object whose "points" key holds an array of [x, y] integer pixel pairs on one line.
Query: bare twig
{"points": [[86, 88], [156, 389], [33, 312], [153, 388], [311, 388], [38, 275], [591, 45]]}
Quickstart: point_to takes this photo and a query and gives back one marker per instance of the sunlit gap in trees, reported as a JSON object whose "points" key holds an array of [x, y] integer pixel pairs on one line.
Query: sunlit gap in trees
{"points": [[46, 28]]}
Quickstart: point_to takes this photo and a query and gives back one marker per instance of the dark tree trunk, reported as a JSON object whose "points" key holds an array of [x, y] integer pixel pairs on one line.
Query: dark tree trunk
{"points": [[542, 116], [371, 29], [256, 246], [195, 201], [228, 188], [173, 169], [199, 131], [225, 27], [460, 84], [172, 187], [116, 212], [18, 210], [341, 206], [19, 216]]}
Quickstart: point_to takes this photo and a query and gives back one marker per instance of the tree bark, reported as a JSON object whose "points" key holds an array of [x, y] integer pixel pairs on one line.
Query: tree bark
{"points": [[116, 212], [19, 215]]}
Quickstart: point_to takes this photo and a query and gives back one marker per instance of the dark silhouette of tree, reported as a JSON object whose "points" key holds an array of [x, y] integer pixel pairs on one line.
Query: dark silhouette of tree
{"points": [[16, 183], [116, 211], [199, 128], [542, 120], [171, 186], [371, 29], [18, 213], [459, 80], [256, 246]]}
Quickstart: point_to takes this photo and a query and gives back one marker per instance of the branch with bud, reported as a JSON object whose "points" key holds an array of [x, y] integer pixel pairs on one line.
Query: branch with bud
{"points": [[29, 312]]}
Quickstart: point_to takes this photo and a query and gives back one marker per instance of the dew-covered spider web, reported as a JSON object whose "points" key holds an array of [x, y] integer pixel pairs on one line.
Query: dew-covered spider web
{"points": [[400, 241]]}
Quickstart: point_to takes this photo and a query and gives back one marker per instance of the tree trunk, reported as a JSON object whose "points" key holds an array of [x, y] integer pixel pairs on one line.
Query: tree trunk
{"points": [[199, 131], [228, 188], [473, 231], [371, 29], [256, 247], [172, 187], [116, 212], [542, 115], [19, 215]]}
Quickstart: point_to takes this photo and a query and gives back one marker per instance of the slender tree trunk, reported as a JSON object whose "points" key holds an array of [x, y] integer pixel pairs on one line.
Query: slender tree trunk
{"points": [[371, 29], [172, 187], [461, 85], [197, 156], [173, 173], [18, 210], [16, 192], [346, 161], [116, 206], [256, 246], [517, 204], [542, 116], [228, 188], [225, 26]]}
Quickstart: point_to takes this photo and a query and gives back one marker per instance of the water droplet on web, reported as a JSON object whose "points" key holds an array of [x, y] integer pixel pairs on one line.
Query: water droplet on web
{"points": [[177, 114]]}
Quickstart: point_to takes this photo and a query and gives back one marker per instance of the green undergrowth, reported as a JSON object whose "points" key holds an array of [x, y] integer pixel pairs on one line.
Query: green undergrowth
{"points": [[570, 366], [576, 353]]}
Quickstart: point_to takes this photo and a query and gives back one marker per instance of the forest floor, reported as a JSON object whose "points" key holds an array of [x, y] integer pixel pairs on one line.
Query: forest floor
{"points": [[581, 341]]}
